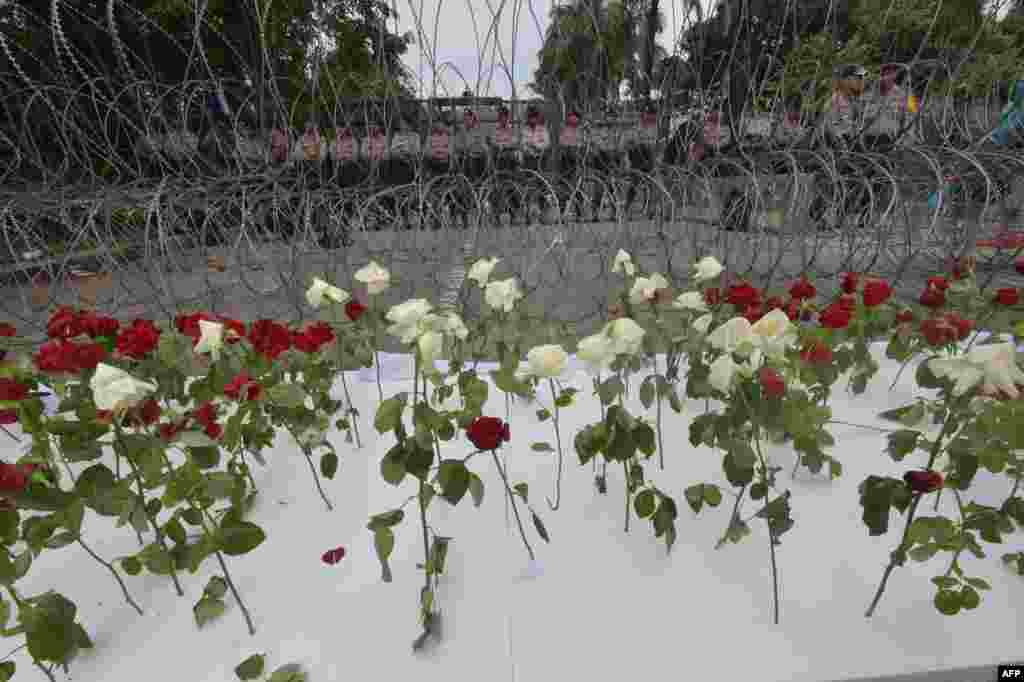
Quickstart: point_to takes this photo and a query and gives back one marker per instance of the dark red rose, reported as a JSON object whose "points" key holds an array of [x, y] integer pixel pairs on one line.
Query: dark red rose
{"points": [[1007, 296], [138, 340], [88, 355], [772, 384], [835, 316], [939, 331], [1018, 266], [14, 477], [149, 411], [904, 316], [713, 296], [850, 281], [6, 330], [8, 417], [488, 433], [774, 303], [206, 415], [937, 282], [933, 297], [816, 353], [742, 295], [354, 309], [64, 324], [169, 430], [234, 331], [313, 338], [793, 311], [12, 390], [243, 386], [802, 290], [876, 292], [189, 324], [214, 430], [963, 327], [96, 325], [57, 356], [753, 313], [847, 301], [333, 556], [923, 482], [269, 338]]}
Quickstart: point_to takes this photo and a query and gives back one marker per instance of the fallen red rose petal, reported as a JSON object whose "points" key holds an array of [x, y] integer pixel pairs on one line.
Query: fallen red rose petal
{"points": [[333, 556]]}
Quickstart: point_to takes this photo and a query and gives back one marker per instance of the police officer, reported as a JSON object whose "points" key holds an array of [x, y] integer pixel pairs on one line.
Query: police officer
{"points": [[536, 153], [473, 156], [572, 162], [403, 160], [437, 162], [640, 153], [505, 152]]}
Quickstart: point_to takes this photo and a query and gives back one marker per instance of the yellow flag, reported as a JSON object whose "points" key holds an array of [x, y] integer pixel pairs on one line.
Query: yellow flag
{"points": [[912, 104]]}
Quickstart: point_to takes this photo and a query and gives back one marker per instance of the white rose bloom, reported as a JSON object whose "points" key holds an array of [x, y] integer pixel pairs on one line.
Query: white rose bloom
{"points": [[376, 278], [722, 372], [456, 328], [702, 323], [644, 288], [502, 295], [753, 363], [706, 268], [626, 335], [732, 335], [691, 300], [114, 389], [431, 345], [321, 290], [774, 333], [211, 338], [405, 319], [596, 352], [481, 270], [623, 263], [994, 366], [546, 361]]}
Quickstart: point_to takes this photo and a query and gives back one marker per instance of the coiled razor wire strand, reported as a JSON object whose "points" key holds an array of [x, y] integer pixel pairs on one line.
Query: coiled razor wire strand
{"points": [[113, 195]]}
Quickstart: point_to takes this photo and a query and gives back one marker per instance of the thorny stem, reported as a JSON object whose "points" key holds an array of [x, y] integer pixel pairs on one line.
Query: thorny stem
{"points": [[351, 411], [515, 507], [558, 441], [16, 439], [508, 493], [117, 576], [316, 476], [625, 471], [248, 472], [899, 554], [661, 443], [771, 532], [46, 671], [234, 593]]}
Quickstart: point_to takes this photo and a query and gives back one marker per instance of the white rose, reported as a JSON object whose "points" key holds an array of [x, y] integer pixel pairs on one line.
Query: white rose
{"points": [[994, 366], [596, 352], [376, 278], [722, 372], [502, 295], [405, 318], [774, 333], [702, 323], [753, 363], [481, 270], [732, 335], [431, 345], [626, 335], [456, 328], [623, 263], [706, 268], [211, 338], [321, 290], [644, 288], [114, 389], [547, 361], [691, 300]]}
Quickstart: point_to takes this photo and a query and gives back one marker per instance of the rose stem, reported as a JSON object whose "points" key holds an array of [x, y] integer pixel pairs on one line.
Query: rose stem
{"points": [[515, 507], [117, 576], [234, 593], [351, 411]]}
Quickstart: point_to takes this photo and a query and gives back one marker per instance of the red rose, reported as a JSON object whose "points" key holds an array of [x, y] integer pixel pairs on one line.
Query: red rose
{"points": [[354, 309], [269, 338], [876, 292], [87, 355], [939, 331], [793, 311], [14, 477], [802, 290], [57, 356], [1018, 266], [963, 267], [816, 353], [205, 413], [7, 330], [905, 316], [963, 327], [488, 433], [63, 324], [234, 331], [742, 295], [12, 390], [712, 296], [1007, 296], [241, 385], [847, 301], [333, 556], [214, 430], [923, 482], [149, 411], [850, 281], [937, 282], [169, 430], [835, 316], [933, 297], [96, 326], [8, 417], [314, 337], [753, 313], [189, 324], [138, 340], [774, 303], [772, 384]]}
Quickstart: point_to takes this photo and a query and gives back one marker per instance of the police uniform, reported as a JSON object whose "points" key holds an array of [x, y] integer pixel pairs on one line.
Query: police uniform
{"points": [[640, 152], [571, 145], [403, 160], [505, 152], [536, 150], [438, 157], [472, 151]]}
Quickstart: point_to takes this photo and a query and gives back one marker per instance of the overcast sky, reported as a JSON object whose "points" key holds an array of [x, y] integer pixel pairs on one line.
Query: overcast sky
{"points": [[462, 28]]}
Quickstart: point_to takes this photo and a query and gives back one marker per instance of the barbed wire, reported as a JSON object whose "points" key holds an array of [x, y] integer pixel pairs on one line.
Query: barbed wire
{"points": [[145, 198]]}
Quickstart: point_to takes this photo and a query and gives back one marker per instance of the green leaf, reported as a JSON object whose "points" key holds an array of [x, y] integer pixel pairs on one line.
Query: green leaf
{"points": [[543, 415], [156, 560], [7, 670], [979, 584], [712, 495], [542, 447], [216, 588], [522, 490], [287, 395], [610, 389], [647, 392], [969, 598], [385, 520], [291, 672], [131, 565], [207, 609], [947, 602], [50, 628], [392, 465], [674, 402], [236, 538], [702, 430], [923, 553], [644, 503], [945, 582], [454, 479], [644, 437], [251, 668], [389, 414], [384, 543], [902, 443], [695, 497], [476, 489], [539, 525], [329, 465]]}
